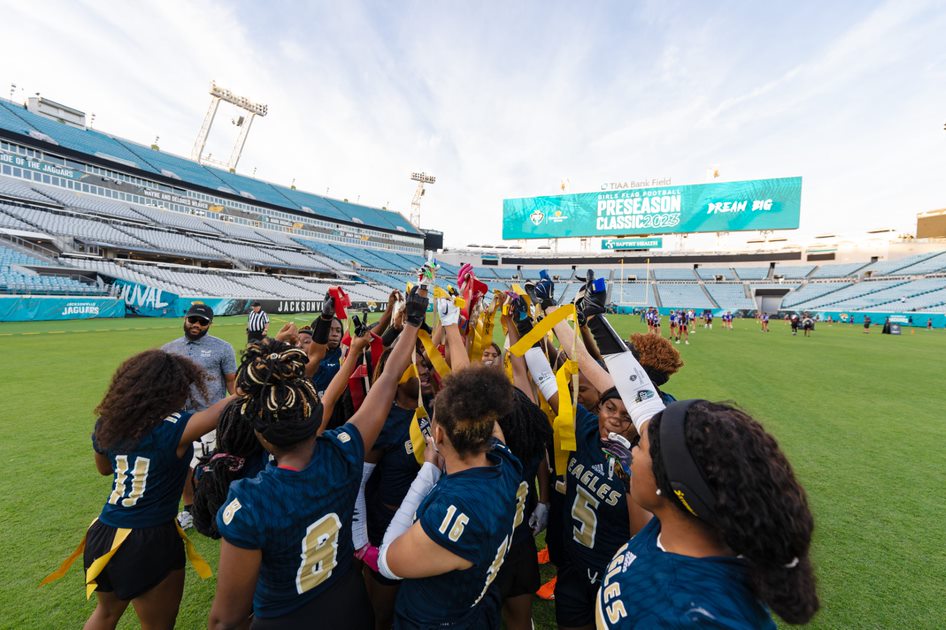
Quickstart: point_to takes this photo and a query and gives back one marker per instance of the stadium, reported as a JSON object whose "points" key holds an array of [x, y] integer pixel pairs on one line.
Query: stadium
{"points": [[108, 243]]}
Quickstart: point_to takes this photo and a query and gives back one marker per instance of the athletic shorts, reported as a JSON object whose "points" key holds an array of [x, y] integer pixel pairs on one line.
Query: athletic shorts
{"points": [[575, 594], [146, 557], [204, 446], [254, 336], [344, 605], [380, 579], [519, 574]]}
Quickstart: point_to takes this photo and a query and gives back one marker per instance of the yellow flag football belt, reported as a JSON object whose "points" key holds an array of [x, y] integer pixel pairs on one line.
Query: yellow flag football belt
{"points": [[121, 534]]}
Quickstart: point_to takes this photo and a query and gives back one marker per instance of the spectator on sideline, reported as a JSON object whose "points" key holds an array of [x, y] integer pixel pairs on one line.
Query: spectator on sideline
{"points": [[257, 324], [216, 357]]}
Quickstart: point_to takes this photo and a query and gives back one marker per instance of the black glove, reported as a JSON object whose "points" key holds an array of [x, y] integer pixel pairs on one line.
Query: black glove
{"points": [[415, 307], [519, 311], [323, 323], [594, 306], [545, 291], [360, 327], [529, 288], [581, 296]]}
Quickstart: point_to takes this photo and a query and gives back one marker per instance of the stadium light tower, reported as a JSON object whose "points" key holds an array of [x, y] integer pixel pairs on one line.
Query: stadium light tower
{"points": [[421, 179], [253, 109]]}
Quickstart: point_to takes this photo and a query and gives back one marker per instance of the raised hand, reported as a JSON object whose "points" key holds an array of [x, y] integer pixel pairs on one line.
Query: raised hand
{"points": [[415, 306], [464, 274], [545, 290]]}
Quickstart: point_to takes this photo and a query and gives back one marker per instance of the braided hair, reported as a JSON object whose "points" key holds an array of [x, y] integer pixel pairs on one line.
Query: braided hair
{"points": [[762, 510], [278, 403], [526, 428], [237, 450]]}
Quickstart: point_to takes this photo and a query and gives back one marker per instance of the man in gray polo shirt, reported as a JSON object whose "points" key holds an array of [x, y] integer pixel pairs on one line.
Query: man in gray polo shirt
{"points": [[217, 358]]}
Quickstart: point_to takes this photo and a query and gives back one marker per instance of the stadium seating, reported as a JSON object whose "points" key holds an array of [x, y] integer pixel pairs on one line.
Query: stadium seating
{"points": [[893, 267], [729, 296], [934, 264], [85, 230], [673, 273], [710, 273], [85, 140], [683, 296], [841, 270], [752, 273], [852, 297], [13, 188], [91, 204], [629, 293], [794, 272]]}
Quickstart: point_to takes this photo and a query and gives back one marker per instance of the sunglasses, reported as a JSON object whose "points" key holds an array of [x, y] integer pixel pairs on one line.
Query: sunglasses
{"points": [[198, 320]]}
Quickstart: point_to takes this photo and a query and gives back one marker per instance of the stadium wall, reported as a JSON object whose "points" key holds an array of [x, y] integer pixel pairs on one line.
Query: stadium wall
{"points": [[27, 308]]}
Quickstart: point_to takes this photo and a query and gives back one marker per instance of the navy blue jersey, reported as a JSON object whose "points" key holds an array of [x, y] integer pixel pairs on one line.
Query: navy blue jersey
{"points": [[301, 520], [328, 368], [472, 514], [596, 521], [530, 471], [394, 473], [148, 476], [647, 587]]}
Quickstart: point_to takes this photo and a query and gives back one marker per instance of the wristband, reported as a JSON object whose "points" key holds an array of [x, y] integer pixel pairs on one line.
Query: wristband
{"points": [[389, 336], [320, 330]]}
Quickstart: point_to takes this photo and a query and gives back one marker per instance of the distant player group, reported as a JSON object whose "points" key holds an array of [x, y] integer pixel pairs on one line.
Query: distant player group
{"points": [[396, 476]]}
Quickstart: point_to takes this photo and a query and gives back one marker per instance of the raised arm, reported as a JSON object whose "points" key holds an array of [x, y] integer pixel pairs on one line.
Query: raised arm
{"points": [[339, 382], [374, 410], [201, 423], [592, 370], [320, 329], [449, 319], [633, 384]]}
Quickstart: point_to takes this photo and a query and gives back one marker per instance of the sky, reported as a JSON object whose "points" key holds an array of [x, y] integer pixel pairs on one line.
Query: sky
{"points": [[500, 99]]}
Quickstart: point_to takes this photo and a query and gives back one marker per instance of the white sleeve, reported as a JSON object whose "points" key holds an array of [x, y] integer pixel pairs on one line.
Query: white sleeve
{"points": [[635, 387], [359, 521], [424, 482], [541, 372]]}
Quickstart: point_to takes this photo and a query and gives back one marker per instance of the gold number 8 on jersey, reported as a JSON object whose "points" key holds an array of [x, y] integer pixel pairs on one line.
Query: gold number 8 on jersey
{"points": [[319, 552]]}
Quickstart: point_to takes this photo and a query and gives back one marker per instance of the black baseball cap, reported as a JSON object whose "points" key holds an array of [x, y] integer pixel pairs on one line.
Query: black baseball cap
{"points": [[199, 309], [256, 304]]}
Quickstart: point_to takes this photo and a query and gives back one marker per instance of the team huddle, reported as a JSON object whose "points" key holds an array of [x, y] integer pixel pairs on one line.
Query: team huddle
{"points": [[397, 475]]}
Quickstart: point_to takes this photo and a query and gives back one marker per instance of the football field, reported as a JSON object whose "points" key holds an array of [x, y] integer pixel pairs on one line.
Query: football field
{"points": [[861, 417]]}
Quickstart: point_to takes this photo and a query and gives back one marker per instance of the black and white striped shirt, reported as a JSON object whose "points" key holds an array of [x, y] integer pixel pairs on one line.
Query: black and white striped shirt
{"points": [[257, 321]]}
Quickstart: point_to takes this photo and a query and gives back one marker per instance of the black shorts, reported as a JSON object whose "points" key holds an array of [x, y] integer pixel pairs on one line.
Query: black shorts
{"points": [[344, 605], [146, 557], [254, 336], [575, 594], [519, 574]]}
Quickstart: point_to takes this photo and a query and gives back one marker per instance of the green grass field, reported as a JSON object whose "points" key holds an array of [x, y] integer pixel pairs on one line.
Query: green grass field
{"points": [[860, 416]]}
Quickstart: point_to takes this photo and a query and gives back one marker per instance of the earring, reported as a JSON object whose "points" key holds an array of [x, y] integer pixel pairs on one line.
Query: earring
{"points": [[658, 492]]}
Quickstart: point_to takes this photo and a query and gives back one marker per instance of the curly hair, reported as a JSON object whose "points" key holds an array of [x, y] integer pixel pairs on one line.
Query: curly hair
{"points": [[279, 401], [526, 428], [762, 510], [145, 389], [469, 404], [657, 356]]}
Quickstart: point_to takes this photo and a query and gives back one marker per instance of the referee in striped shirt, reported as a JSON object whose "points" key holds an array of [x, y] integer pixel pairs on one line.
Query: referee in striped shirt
{"points": [[257, 325]]}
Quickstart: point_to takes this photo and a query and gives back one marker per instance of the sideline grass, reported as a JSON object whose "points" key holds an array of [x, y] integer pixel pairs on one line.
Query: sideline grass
{"points": [[860, 417]]}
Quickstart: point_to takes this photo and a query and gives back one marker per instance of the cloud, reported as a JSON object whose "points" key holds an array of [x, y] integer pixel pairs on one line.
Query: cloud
{"points": [[506, 100]]}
